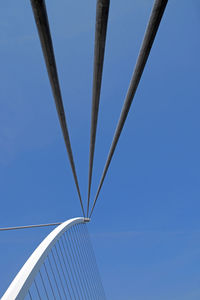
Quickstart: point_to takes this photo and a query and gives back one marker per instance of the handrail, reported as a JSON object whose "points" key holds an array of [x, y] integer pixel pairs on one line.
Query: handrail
{"points": [[23, 280]]}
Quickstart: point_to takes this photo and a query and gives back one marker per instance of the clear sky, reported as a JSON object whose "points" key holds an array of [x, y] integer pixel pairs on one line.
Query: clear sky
{"points": [[146, 226]]}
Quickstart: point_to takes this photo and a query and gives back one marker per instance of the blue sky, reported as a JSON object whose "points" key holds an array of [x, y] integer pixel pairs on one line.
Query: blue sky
{"points": [[145, 227]]}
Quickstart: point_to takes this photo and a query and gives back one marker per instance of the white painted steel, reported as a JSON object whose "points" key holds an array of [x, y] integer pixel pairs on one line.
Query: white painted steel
{"points": [[19, 287]]}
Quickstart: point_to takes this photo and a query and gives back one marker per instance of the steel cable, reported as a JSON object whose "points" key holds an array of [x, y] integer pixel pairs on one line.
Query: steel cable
{"points": [[102, 11], [49, 279], [59, 275], [74, 267], [65, 280], [29, 226], [42, 23], [37, 290], [94, 262], [89, 273], [41, 277], [70, 269], [54, 277], [77, 260], [82, 262], [29, 293], [91, 276], [75, 263], [152, 28], [68, 275]]}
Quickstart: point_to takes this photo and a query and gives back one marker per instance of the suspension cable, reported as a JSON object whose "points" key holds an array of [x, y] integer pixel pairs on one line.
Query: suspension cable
{"points": [[70, 252], [54, 276], [152, 28], [41, 19], [102, 11], [70, 268], [44, 286], [29, 226], [50, 283]]}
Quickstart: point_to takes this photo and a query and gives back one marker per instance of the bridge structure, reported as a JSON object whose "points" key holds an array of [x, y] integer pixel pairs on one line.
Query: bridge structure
{"points": [[63, 266]]}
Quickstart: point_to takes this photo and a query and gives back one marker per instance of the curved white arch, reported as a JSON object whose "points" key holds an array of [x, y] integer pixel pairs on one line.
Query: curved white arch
{"points": [[20, 285]]}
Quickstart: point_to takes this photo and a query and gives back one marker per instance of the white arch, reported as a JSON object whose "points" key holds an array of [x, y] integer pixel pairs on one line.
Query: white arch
{"points": [[20, 285]]}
